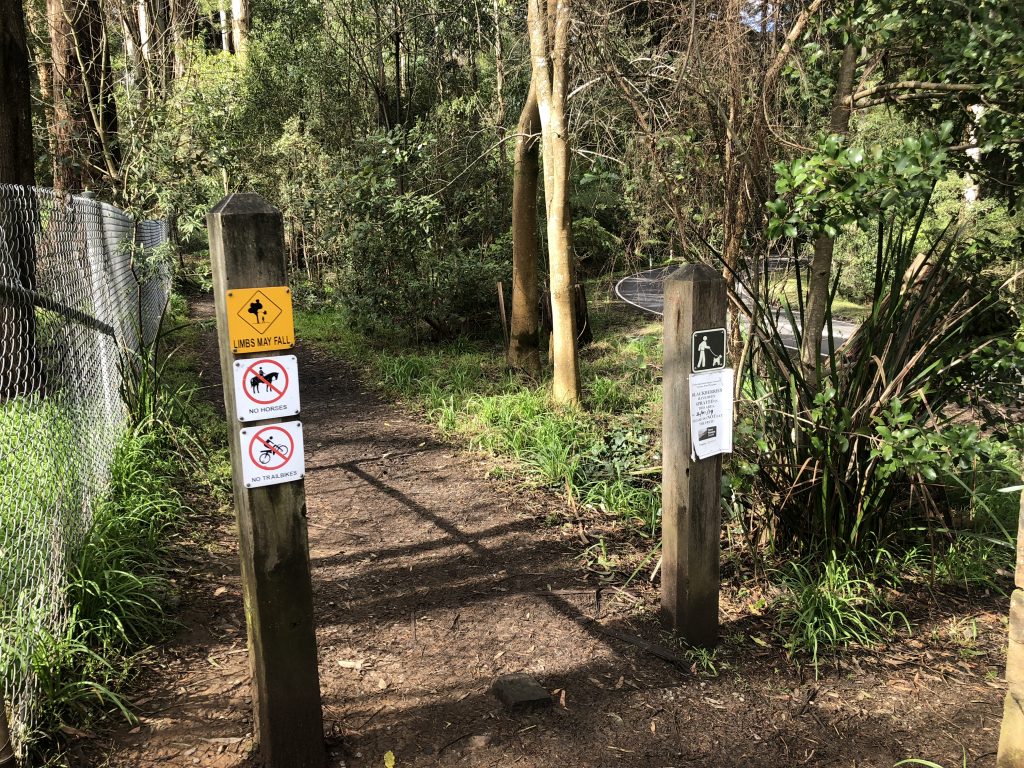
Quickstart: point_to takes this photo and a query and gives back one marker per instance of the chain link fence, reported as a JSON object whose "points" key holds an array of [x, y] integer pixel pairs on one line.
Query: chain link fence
{"points": [[81, 286]]}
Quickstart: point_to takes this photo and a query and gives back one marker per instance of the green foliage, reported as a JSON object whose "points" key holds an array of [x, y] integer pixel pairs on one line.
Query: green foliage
{"points": [[407, 261], [830, 606], [185, 147], [977, 47], [865, 449], [841, 185], [597, 249]]}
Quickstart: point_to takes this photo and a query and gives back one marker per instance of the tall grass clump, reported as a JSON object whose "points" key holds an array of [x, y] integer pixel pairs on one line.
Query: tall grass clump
{"points": [[110, 562], [832, 605], [116, 589]]}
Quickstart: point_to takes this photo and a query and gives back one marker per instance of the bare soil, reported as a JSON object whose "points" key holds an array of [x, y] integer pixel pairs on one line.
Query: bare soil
{"points": [[431, 578]]}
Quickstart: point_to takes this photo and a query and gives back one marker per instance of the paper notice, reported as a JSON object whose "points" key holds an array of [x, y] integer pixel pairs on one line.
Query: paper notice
{"points": [[711, 413]]}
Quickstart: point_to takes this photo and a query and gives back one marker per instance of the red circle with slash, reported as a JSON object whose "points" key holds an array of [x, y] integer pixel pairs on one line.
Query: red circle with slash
{"points": [[278, 450], [252, 377]]}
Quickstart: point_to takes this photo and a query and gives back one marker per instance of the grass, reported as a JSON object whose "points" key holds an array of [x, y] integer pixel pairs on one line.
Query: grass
{"points": [[831, 606], [842, 308]]}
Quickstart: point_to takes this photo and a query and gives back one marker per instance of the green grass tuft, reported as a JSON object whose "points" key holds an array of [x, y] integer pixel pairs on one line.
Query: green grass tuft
{"points": [[832, 606]]}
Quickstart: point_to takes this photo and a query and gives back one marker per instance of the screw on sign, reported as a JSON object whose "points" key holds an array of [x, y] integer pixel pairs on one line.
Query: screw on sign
{"points": [[273, 454]]}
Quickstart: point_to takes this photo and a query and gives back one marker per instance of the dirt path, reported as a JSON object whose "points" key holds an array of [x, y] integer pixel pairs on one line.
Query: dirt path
{"points": [[436, 579]]}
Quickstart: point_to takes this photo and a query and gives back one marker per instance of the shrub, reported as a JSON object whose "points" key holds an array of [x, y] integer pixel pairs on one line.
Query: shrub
{"points": [[867, 448]]}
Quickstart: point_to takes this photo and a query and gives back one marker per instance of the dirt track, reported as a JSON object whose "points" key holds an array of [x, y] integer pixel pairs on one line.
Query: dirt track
{"points": [[435, 579]]}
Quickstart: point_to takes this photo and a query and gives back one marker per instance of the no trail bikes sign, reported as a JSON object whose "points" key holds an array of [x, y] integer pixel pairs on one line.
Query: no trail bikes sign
{"points": [[272, 454], [266, 388]]}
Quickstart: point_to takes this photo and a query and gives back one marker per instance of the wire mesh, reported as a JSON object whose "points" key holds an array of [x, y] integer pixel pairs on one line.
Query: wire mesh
{"points": [[81, 283]]}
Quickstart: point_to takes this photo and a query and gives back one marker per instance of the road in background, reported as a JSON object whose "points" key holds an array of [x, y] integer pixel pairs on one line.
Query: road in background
{"points": [[646, 291]]}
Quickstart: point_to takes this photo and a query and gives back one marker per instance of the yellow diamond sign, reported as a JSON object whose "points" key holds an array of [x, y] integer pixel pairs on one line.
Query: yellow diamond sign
{"points": [[260, 319]]}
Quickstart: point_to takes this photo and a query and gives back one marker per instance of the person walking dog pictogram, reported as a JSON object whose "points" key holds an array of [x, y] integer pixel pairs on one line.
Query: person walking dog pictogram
{"points": [[703, 348]]}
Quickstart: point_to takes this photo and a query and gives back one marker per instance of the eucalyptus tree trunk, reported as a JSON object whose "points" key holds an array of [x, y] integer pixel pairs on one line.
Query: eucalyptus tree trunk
{"points": [[225, 27], [820, 278], [182, 14], [19, 359], [84, 127], [240, 25], [524, 338], [499, 73], [548, 26]]}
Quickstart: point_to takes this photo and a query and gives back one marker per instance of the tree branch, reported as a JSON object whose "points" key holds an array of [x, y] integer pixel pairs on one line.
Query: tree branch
{"points": [[916, 85]]}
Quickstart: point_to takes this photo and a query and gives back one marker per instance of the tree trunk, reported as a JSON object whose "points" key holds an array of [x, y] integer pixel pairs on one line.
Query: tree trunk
{"points": [[17, 157], [549, 34], [240, 25], [18, 213], [6, 748], [161, 52], [499, 117], [182, 17], [85, 149], [135, 66], [524, 340], [819, 280], [225, 27], [499, 73]]}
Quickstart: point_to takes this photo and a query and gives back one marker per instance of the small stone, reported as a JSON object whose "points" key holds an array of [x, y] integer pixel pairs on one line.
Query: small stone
{"points": [[478, 742], [520, 691]]}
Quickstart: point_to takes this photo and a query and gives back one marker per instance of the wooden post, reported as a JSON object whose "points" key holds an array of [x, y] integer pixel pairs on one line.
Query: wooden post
{"points": [[247, 250], [691, 490], [503, 315], [1011, 734], [6, 746]]}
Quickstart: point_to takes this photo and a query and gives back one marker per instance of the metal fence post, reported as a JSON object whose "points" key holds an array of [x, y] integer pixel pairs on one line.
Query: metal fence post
{"points": [[101, 308]]}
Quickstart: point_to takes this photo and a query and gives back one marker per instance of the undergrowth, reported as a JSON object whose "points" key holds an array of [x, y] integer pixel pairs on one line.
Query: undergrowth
{"points": [[117, 586], [605, 455], [833, 606]]}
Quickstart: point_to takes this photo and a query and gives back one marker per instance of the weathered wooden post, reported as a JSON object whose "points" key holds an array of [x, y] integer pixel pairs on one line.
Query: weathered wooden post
{"points": [[247, 250], [696, 430], [1011, 735]]}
